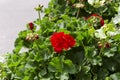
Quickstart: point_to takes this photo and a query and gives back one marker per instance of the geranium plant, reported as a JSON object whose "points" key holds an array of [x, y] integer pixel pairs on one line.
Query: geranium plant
{"points": [[75, 40]]}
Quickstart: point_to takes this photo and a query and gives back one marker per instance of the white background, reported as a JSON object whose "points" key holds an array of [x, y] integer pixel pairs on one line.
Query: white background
{"points": [[14, 14]]}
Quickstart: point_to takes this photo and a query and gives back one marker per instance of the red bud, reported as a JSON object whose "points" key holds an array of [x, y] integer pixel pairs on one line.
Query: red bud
{"points": [[107, 45], [36, 36], [31, 25]]}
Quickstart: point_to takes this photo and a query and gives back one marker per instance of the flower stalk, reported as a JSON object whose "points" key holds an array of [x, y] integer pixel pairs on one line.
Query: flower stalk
{"points": [[39, 9]]}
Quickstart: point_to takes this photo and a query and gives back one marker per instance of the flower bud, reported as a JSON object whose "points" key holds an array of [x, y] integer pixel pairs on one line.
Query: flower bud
{"points": [[107, 45], [36, 36], [31, 25], [78, 5], [39, 8], [29, 36], [100, 45]]}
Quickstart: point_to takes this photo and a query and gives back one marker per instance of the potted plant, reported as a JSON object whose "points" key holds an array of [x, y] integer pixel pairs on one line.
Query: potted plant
{"points": [[75, 40]]}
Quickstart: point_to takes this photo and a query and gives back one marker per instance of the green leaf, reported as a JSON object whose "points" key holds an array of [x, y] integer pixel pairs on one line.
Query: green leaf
{"points": [[69, 67], [116, 37], [118, 48], [64, 76], [83, 76], [65, 17], [117, 58], [108, 78], [22, 34], [86, 69], [115, 76], [77, 58], [72, 1], [26, 78], [97, 61], [80, 37], [43, 72], [102, 73], [91, 31], [110, 64], [110, 52], [55, 65], [18, 45], [116, 19]]}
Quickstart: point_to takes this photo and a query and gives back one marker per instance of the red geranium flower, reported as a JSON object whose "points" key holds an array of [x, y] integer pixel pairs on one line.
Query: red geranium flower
{"points": [[31, 25], [97, 16], [62, 41]]}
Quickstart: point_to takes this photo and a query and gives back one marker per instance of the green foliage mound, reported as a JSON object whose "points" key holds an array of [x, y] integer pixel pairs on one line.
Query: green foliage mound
{"points": [[75, 40]]}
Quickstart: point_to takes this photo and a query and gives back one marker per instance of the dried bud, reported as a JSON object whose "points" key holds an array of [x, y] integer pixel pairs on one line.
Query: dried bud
{"points": [[100, 45], [29, 36], [36, 36], [107, 45], [78, 5]]}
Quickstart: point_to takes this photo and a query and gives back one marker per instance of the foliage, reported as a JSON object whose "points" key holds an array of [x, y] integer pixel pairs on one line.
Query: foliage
{"points": [[95, 54]]}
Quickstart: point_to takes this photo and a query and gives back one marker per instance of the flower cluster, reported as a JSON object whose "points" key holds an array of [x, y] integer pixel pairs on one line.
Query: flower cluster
{"points": [[32, 36], [99, 17], [62, 41]]}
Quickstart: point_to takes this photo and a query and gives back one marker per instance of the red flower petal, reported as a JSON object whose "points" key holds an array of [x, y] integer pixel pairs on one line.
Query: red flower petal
{"points": [[94, 15], [58, 50], [70, 40], [61, 41]]}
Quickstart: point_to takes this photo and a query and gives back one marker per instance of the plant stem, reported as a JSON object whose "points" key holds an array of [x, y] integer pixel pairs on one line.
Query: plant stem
{"points": [[100, 53], [78, 12], [39, 15]]}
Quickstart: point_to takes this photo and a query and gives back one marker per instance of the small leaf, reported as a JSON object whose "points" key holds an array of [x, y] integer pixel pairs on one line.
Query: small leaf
{"points": [[109, 54], [97, 61], [91, 31], [43, 72], [86, 69], [64, 76]]}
